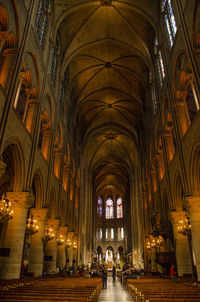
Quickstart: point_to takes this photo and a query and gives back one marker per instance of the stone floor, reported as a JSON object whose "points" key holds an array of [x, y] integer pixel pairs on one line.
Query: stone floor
{"points": [[115, 292]]}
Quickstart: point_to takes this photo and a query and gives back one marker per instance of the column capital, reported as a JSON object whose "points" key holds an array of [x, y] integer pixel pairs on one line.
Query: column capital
{"points": [[53, 223], [175, 216], [39, 214], [22, 199], [62, 230], [193, 203]]}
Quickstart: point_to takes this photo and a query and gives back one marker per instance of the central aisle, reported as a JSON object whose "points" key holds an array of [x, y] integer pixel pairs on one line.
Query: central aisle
{"points": [[115, 292]]}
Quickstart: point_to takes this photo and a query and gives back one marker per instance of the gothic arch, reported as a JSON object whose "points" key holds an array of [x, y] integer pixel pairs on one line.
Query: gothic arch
{"points": [[14, 158], [38, 190], [178, 192]]}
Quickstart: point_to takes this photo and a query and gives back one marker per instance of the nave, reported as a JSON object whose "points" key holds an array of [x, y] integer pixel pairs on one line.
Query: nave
{"points": [[115, 291]]}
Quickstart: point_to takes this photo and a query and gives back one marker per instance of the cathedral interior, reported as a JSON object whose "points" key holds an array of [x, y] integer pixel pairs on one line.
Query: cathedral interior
{"points": [[99, 135]]}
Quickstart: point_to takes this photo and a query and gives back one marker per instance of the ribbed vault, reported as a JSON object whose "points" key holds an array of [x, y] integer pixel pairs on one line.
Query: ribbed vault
{"points": [[106, 52]]}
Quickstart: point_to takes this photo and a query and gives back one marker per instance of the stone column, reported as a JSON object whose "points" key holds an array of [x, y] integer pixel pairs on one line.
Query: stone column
{"points": [[70, 236], [168, 138], [37, 243], [11, 266], [153, 179], [57, 163], [194, 215], [160, 163], [183, 259], [2, 168], [46, 143], [51, 248], [181, 118], [9, 55], [66, 178], [31, 114], [61, 255]]}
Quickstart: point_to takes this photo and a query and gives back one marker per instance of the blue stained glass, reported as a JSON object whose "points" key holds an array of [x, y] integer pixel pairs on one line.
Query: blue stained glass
{"points": [[170, 22], [41, 20], [172, 18]]}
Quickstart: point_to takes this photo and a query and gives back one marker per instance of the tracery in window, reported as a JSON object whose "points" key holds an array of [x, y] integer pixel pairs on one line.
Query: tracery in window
{"points": [[109, 209], [99, 207], [41, 20], [119, 208], [169, 20]]}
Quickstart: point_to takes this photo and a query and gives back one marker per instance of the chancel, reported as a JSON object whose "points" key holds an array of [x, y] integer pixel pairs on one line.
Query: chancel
{"points": [[99, 138]]}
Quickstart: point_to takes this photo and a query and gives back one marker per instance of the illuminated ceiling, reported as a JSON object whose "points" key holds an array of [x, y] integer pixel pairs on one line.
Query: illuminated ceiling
{"points": [[107, 49]]}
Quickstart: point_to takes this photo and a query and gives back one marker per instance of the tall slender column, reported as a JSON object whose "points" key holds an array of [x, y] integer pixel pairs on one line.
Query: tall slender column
{"points": [[66, 178], [70, 236], [61, 255], [14, 240], [168, 138], [194, 215], [37, 243], [160, 163], [8, 58], [183, 259], [31, 114], [57, 163], [181, 118], [51, 248], [46, 143]]}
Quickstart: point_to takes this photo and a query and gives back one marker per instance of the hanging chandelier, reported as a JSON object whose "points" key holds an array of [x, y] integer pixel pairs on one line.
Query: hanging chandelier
{"points": [[61, 240], [68, 242], [49, 233], [6, 211], [184, 226], [31, 225]]}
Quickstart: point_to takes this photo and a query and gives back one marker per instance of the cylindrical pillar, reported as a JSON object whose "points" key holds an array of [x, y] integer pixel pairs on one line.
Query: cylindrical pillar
{"points": [[194, 215], [181, 117], [37, 243], [183, 259], [51, 248], [11, 266], [61, 255]]}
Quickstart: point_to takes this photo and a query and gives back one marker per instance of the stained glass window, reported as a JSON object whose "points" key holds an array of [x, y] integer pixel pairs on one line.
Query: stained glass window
{"points": [[41, 20], [54, 61], [169, 21], [109, 209], [99, 207], [119, 208], [159, 62]]}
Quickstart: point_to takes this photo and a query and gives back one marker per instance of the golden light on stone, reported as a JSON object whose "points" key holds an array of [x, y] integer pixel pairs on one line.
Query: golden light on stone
{"points": [[49, 233], [75, 244], [184, 226], [6, 211], [31, 225], [61, 240], [69, 243]]}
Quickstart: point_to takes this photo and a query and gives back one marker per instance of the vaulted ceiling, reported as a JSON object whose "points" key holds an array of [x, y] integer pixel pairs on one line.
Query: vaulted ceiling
{"points": [[107, 50]]}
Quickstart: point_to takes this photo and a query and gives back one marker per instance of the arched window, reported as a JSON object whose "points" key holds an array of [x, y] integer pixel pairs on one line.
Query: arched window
{"points": [[54, 61], [109, 209], [41, 20], [169, 21], [119, 208], [99, 207], [159, 62]]}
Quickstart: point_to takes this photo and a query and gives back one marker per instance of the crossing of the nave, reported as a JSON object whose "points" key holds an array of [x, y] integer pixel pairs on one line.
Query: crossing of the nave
{"points": [[99, 146]]}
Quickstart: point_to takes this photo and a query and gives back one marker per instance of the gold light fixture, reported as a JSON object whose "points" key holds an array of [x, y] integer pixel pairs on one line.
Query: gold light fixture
{"points": [[184, 226], [49, 233], [31, 225], [75, 244], [61, 240], [6, 211], [68, 242]]}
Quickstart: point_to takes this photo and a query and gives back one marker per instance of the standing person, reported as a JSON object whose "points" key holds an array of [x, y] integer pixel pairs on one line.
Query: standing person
{"points": [[172, 272], [104, 278], [114, 272]]}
